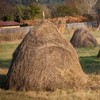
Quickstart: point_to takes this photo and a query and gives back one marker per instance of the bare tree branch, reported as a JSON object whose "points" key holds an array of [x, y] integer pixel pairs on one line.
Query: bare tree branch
{"points": [[85, 6], [91, 2]]}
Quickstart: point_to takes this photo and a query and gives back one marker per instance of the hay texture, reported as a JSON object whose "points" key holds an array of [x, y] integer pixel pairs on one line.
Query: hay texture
{"points": [[82, 38], [45, 61]]}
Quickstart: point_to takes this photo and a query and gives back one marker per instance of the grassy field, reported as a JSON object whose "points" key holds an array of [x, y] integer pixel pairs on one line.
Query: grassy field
{"points": [[88, 60]]}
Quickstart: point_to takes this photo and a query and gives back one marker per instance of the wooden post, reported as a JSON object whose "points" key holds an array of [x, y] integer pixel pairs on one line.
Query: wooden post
{"points": [[43, 14], [98, 56]]}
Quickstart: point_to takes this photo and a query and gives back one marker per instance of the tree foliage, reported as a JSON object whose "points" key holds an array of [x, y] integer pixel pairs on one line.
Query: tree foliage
{"points": [[22, 10], [64, 10]]}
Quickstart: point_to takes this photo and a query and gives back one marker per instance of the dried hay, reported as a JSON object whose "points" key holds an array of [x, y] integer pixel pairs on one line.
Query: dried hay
{"points": [[45, 61], [82, 38]]}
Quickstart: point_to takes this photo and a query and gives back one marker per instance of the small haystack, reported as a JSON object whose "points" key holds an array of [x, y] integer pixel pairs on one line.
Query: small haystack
{"points": [[98, 55], [82, 38], [45, 61]]}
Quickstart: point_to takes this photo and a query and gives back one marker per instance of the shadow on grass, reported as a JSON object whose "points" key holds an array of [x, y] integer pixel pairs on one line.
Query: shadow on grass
{"points": [[2, 81], [5, 63], [90, 65]]}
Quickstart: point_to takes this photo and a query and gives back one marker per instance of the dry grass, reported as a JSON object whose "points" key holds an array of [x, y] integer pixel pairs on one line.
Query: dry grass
{"points": [[11, 37], [12, 34], [92, 92], [67, 95], [3, 71], [57, 95]]}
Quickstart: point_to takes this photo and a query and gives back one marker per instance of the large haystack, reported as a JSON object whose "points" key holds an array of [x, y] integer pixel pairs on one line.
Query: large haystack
{"points": [[45, 61], [82, 38]]}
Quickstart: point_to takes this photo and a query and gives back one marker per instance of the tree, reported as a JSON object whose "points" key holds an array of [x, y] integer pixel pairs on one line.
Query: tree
{"points": [[6, 10], [81, 6], [64, 10], [85, 6], [91, 4], [34, 10]]}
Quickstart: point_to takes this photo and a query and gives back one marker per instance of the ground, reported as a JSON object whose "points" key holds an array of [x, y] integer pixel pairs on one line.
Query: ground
{"points": [[90, 65]]}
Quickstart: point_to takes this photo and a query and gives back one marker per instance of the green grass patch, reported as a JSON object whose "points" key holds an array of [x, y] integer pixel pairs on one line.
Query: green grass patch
{"points": [[5, 63], [6, 51], [91, 65], [88, 59]]}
